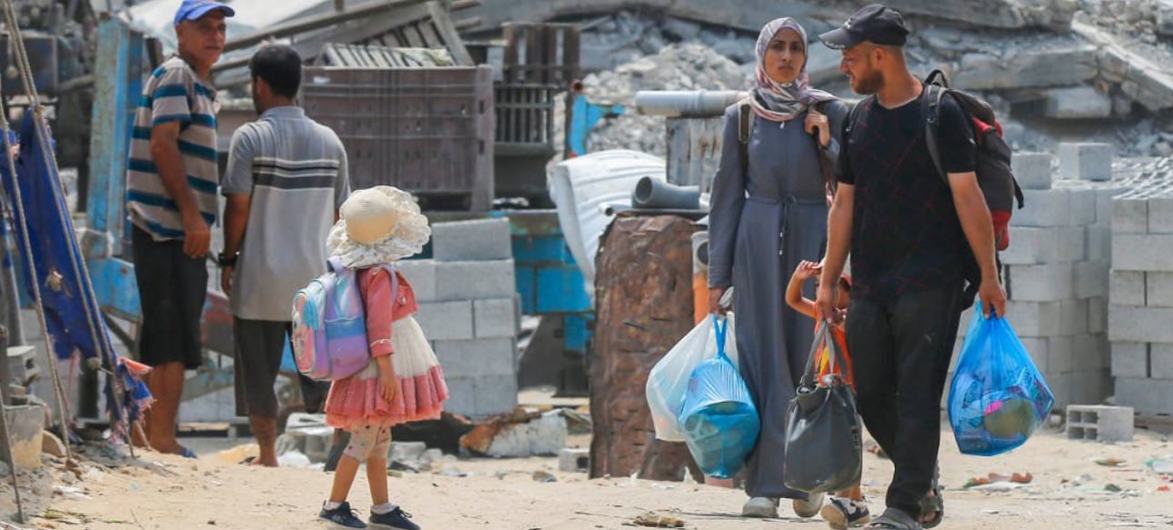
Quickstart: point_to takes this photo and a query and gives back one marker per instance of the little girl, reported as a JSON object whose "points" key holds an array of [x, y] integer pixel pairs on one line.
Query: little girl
{"points": [[848, 508], [403, 381]]}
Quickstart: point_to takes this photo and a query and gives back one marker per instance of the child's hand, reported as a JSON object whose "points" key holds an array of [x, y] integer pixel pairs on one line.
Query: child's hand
{"points": [[388, 382], [807, 270]]}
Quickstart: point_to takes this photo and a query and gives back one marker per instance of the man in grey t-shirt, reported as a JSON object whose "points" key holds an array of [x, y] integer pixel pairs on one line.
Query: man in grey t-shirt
{"points": [[286, 177]]}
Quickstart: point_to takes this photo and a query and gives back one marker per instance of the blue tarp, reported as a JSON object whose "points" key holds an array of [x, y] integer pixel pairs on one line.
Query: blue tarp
{"points": [[65, 289]]}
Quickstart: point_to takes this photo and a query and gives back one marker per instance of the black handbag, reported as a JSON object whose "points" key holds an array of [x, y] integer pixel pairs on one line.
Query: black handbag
{"points": [[824, 448]]}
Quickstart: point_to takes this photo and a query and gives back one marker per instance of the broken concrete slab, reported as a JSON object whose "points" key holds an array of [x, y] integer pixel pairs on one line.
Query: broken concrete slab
{"points": [[518, 434], [1077, 103], [1141, 79], [1008, 14], [25, 425], [1165, 18], [1069, 65]]}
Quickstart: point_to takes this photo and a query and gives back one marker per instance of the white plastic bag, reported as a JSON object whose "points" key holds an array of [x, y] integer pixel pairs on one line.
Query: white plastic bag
{"points": [[668, 380]]}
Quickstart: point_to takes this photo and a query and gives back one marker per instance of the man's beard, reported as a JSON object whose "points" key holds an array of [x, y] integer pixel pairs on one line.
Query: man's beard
{"points": [[869, 85]]}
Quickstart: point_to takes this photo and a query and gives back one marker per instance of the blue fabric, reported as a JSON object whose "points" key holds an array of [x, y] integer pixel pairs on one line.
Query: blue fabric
{"points": [[719, 419], [65, 290], [998, 397]]}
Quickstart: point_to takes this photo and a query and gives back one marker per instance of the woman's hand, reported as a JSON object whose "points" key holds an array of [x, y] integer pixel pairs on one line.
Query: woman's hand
{"points": [[715, 301], [807, 270], [816, 120], [388, 380]]}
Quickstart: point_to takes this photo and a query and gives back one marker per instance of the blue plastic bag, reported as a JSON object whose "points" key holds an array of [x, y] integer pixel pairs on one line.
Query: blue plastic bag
{"points": [[998, 397], [719, 419]]}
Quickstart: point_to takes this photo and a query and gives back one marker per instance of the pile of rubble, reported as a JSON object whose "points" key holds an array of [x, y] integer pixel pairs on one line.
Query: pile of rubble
{"points": [[1057, 71], [691, 66]]}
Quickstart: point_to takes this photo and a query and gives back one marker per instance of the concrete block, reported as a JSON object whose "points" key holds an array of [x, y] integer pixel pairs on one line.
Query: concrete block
{"points": [[1091, 279], [1046, 208], [421, 274], [446, 320], [1035, 246], [1041, 283], [1126, 287], [574, 460], [1161, 361], [1097, 315], [1130, 359], [1100, 423], [461, 396], [1073, 316], [1032, 170], [477, 358], [496, 317], [495, 394], [473, 280], [1038, 351], [1034, 319], [1134, 252], [1083, 207], [1099, 243], [1161, 215], [1077, 103], [479, 240], [1061, 355], [1086, 161], [1089, 352], [1148, 396], [1159, 288], [1130, 216], [1104, 198], [1140, 324]]}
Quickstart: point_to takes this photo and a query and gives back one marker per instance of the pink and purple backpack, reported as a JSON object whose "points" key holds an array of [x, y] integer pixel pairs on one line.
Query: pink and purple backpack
{"points": [[329, 325]]}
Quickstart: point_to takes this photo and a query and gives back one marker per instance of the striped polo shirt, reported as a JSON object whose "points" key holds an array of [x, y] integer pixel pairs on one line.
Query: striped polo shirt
{"points": [[295, 171], [173, 93]]}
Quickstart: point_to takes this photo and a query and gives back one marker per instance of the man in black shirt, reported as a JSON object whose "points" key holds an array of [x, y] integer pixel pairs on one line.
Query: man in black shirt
{"points": [[912, 236]]}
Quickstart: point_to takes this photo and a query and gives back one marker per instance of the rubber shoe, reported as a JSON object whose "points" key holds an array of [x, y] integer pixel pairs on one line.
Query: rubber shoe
{"points": [[396, 518], [760, 507], [810, 507], [842, 513], [343, 516]]}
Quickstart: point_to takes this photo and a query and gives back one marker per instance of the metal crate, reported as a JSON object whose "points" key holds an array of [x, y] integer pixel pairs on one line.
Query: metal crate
{"points": [[426, 130]]}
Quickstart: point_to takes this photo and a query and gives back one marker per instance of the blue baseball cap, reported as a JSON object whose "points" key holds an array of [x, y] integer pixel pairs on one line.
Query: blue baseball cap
{"points": [[194, 9]]}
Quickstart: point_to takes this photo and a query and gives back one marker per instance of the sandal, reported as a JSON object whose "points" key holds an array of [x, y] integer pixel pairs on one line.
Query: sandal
{"points": [[933, 503], [894, 519]]}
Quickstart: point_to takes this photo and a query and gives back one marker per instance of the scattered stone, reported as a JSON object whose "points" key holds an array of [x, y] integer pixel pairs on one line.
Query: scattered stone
{"points": [[1078, 103], [544, 476], [52, 445], [654, 520]]}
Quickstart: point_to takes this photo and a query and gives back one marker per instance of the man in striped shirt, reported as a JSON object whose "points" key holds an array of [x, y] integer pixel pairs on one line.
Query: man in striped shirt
{"points": [[172, 178], [286, 177]]}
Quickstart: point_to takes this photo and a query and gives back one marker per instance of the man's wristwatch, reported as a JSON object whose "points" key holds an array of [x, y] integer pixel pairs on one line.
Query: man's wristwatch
{"points": [[225, 260]]}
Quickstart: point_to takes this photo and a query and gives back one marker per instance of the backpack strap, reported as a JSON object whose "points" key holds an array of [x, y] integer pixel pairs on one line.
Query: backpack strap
{"points": [[826, 166], [744, 126], [931, 107]]}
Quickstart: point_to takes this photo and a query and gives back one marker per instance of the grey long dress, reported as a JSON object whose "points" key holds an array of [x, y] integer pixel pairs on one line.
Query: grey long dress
{"points": [[765, 219]]}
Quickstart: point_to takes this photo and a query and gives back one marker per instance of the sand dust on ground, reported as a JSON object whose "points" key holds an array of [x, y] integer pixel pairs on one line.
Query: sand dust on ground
{"points": [[1069, 491]]}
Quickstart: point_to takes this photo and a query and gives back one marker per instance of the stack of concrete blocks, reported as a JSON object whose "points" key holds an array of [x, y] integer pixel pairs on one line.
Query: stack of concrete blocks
{"points": [[1056, 269], [469, 309], [1140, 319]]}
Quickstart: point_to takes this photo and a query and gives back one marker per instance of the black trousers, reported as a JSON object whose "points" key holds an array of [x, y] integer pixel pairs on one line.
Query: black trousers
{"points": [[900, 349]]}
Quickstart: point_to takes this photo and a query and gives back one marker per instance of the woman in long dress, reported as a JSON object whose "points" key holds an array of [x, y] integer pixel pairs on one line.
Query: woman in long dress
{"points": [[769, 212]]}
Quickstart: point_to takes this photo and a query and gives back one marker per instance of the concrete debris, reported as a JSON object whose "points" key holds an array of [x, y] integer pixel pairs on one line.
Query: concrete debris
{"points": [[544, 476], [1082, 103], [689, 66], [52, 445], [574, 460], [518, 435], [1006, 14]]}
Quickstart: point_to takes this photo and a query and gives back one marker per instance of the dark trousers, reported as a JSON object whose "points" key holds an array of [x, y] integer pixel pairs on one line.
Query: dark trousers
{"points": [[900, 349]]}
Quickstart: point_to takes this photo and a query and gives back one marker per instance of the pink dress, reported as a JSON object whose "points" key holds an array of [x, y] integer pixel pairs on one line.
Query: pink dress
{"points": [[356, 402]]}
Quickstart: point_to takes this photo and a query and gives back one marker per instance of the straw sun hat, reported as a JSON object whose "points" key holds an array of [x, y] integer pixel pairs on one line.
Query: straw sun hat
{"points": [[379, 225]]}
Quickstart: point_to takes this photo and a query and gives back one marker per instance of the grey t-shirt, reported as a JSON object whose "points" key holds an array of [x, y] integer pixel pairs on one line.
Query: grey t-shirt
{"points": [[296, 171]]}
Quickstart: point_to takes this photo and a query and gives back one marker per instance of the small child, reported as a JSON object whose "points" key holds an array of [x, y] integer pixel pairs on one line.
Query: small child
{"points": [[847, 508], [403, 381]]}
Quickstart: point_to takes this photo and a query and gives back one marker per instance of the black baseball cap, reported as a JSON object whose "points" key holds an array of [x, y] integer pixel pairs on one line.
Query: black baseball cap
{"points": [[876, 23]]}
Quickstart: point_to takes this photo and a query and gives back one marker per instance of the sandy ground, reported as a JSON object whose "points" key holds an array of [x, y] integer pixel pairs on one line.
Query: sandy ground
{"points": [[165, 492]]}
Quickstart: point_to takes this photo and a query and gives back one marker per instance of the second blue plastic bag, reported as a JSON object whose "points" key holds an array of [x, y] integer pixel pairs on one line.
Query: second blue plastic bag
{"points": [[998, 397], [719, 419]]}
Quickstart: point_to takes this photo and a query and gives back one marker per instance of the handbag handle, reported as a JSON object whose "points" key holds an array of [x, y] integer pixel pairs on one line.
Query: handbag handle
{"points": [[822, 336]]}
